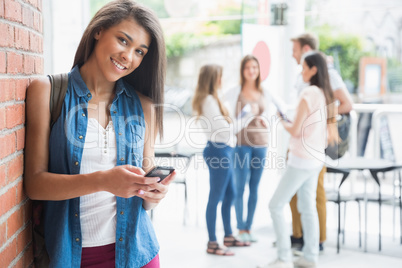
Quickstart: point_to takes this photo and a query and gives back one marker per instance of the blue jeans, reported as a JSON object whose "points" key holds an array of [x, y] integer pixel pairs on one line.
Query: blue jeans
{"points": [[249, 165], [304, 182], [219, 158]]}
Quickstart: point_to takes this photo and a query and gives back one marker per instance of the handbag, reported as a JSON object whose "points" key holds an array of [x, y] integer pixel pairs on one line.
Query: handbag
{"points": [[337, 150]]}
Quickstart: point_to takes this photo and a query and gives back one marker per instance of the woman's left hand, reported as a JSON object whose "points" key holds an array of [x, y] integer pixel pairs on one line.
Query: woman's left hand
{"points": [[152, 198], [261, 122]]}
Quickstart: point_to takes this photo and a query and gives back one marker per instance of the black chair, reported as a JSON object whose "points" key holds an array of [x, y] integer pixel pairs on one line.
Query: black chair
{"points": [[332, 196], [181, 163], [338, 199], [382, 198], [369, 197]]}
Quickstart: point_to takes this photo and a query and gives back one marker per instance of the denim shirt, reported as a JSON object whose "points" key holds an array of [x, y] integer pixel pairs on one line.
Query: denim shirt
{"points": [[136, 243]]}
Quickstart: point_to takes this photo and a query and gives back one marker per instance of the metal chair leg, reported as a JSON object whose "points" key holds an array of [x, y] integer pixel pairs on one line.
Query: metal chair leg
{"points": [[400, 207], [339, 222], [344, 223], [360, 225], [185, 204], [379, 223]]}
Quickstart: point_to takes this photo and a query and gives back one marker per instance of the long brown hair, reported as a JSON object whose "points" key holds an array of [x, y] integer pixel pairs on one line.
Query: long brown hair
{"points": [[208, 84], [243, 63], [321, 80], [149, 77]]}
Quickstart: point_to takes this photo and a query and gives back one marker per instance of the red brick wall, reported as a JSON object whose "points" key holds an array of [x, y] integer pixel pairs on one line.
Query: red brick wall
{"points": [[21, 59]]}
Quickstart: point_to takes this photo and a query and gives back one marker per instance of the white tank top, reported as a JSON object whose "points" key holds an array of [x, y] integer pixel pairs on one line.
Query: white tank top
{"points": [[98, 210]]}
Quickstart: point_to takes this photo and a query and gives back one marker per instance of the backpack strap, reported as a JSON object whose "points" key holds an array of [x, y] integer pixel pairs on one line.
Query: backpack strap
{"points": [[59, 84]]}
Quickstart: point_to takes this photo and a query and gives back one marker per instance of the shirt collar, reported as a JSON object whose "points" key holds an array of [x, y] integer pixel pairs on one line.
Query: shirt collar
{"points": [[121, 86], [81, 88]]}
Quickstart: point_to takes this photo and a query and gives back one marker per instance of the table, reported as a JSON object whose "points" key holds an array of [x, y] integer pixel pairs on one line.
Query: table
{"points": [[188, 153], [375, 166]]}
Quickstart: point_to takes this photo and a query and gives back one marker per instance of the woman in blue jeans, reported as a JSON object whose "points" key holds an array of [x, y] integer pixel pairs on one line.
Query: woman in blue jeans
{"points": [[252, 141], [218, 154]]}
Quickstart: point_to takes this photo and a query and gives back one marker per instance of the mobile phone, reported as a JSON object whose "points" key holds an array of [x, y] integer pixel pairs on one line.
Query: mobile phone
{"points": [[160, 171], [284, 117]]}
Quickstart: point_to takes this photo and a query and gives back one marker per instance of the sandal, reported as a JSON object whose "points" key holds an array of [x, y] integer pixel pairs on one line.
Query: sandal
{"points": [[214, 248], [231, 241]]}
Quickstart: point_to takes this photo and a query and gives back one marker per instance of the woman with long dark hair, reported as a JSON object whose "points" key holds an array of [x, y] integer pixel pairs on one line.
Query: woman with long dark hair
{"points": [[308, 140], [89, 166]]}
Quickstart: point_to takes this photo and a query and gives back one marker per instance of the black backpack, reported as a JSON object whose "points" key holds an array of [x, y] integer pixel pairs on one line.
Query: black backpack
{"points": [[59, 84]]}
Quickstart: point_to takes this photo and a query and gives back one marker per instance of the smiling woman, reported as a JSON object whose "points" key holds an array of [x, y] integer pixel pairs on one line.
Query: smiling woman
{"points": [[252, 141], [88, 167], [120, 49]]}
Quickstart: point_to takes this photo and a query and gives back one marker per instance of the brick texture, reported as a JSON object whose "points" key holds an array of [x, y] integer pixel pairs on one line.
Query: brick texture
{"points": [[2, 117], [12, 10], [2, 180], [21, 58], [21, 89], [7, 35], [3, 63], [15, 115], [1, 8], [7, 143], [15, 168], [14, 63], [7, 91], [21, 38]]}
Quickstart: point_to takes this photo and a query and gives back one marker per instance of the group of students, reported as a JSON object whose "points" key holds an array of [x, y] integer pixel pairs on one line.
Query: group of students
{"points": [[87, 168], [236, 148], [239, 135]]}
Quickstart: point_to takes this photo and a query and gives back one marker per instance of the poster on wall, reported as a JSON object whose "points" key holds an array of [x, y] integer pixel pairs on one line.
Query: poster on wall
{"points": [[264, 42]]}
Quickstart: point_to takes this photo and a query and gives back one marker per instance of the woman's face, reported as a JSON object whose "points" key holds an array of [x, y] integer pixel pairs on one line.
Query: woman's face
{"points": [[308, 72], [120, 49], [251, 71]]}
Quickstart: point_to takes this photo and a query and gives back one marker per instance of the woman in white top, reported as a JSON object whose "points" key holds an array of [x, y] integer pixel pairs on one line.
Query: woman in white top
{"points": [[308, 140], [252, 142], [218, 154]]}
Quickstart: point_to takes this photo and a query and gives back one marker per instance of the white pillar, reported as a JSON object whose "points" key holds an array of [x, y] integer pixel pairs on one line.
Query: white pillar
{"points": [[294, 27]]}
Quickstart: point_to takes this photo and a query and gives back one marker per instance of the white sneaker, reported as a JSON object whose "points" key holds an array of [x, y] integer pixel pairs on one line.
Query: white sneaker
{"points": [[303, 263], [298, 252], [277, 264], [244, 237], [253, 238]]}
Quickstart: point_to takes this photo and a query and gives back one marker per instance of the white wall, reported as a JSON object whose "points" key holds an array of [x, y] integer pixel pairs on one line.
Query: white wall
{"points": [[64, 23]]}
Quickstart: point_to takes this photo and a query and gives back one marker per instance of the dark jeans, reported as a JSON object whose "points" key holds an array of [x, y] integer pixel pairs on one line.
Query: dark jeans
{"points": [[249, 165], [219, 158]]}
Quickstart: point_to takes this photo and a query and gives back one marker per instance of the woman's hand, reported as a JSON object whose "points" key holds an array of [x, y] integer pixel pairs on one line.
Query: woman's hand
{"points": [[261, 121], [128, 181], [295, 127], [153, 197]]}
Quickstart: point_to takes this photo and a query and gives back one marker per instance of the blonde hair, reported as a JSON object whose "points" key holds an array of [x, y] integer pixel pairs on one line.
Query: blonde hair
{"points": [[243, 63], [208, 84]]}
